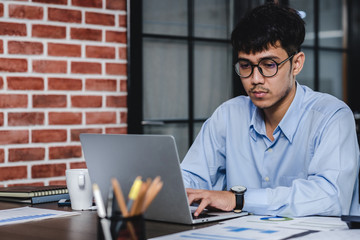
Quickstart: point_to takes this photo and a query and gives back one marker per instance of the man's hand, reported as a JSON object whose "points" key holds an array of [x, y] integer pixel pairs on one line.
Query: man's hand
{"points": [[222, 200]]}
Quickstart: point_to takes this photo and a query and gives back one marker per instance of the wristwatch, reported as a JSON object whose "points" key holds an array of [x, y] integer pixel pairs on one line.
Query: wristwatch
{"points": [[239, 197]]}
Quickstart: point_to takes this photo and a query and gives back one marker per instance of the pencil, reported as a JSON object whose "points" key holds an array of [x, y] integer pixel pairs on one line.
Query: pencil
{"points": [[152, 193], [119, 197]]}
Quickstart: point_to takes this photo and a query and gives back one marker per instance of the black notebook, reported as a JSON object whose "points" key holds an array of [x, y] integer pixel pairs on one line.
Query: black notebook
{"points": [[34, 194]]}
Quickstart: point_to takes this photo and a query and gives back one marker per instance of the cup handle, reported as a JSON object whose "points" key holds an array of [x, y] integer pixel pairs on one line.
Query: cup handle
{"points": [[81, 181]]}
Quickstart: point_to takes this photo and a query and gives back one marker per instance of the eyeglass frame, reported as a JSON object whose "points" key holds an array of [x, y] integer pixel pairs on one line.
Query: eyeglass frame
{"points": [[259, 68]]}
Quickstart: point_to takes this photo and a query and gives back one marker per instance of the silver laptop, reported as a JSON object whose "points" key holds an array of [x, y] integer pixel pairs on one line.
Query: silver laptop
{"points": [[127, 156]]}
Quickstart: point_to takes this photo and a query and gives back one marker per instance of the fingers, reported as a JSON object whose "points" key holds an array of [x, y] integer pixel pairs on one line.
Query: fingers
{"points": [[203, 204]]}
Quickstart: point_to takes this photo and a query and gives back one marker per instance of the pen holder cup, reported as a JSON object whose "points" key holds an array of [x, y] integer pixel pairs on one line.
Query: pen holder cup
{"points": [[132, 228]]}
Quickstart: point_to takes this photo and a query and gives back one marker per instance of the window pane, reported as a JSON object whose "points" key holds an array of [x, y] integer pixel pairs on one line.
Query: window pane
{"points": [[330, 24], [213, 77], [178, 130], [212, 19], [331, 74], [307, 74], [165, 79], [165, 17], [307, 7]]}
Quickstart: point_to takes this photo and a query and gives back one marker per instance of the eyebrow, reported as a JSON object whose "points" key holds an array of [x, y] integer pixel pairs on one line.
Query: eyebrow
{"points": [[273, 57]]}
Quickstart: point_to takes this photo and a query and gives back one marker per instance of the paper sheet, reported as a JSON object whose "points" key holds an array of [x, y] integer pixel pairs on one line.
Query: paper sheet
{"points": [[26, 214], [304, 223], [262, 227], [333, 235]]}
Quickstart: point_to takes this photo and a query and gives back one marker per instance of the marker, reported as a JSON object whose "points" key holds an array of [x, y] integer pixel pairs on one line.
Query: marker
{"points": [[134, 192], [101, 212]]}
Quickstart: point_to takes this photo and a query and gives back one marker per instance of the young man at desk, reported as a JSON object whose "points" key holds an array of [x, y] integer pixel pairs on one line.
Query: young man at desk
{"points": [[294, 149]]}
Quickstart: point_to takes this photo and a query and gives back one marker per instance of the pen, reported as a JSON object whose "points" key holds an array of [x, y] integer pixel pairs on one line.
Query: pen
{"points": [[110, 202], [101, 212]]}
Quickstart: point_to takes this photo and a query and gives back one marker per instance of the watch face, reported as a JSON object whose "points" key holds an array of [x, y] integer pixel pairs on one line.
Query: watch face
{"points": [[238, 189]]}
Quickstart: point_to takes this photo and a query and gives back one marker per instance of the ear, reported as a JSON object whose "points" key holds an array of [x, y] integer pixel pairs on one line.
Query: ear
{"points": [[298, 62]]}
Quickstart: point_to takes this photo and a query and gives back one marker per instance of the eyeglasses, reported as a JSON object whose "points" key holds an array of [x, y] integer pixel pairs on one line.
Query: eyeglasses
{"points": [[267, 67]]}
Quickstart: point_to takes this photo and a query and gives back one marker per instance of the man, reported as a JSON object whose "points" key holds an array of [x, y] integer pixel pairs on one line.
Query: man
{"points": [[295, 150]]}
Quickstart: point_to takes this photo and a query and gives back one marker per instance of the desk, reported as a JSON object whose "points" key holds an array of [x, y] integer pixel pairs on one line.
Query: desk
{"points": [[83, 226]]}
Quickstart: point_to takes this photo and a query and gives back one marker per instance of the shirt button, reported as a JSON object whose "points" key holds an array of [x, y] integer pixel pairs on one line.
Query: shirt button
{"points": [[270, 150], [266, 179]]}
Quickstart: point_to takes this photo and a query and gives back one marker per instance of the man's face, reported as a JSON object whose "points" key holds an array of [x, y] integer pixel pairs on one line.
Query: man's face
{"points": [[270, 93]]}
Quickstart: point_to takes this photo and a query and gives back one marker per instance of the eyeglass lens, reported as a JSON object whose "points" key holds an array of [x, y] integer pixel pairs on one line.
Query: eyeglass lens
{"points": [[267, 68]]}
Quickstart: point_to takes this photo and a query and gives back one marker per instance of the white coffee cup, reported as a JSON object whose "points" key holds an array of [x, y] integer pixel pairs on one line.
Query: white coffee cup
{"points": [[80, 188]]}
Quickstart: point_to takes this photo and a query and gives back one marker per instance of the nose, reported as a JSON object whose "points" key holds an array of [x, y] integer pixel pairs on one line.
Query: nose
{"points": [[257, 77]]}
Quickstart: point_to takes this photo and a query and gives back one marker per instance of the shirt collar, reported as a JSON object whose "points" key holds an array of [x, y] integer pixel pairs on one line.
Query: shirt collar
{"points": [[287, 125]]}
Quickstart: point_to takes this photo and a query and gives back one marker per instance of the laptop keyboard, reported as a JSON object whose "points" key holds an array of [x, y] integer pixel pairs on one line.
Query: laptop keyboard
{"points": [[202, 215]]}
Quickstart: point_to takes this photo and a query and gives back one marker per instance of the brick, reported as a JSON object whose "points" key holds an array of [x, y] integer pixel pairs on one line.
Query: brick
{"points": [[86, 101], [65, 152], [64, 50], [86, 34], [48, 135], [123, 21], [65, 118], [70, 84], [123, 86], [49, 66], [100, 117], [57, 182], [99, 19], [48, 31], [26, 154], [116, 4], [2, 155], [25, 118], [1, 83], [28, 48], [11, 173], [48, 170], [25, 12], [75, 133], [119, 130], [100, 85], [14, 137], [49, 101], [123, 53], [76, 165], [62, 2], [13, 101], [100, 52], [1, 10], [64, 15], [1, 46], [117, 37], [116, 101], [25, 83], [87, 3], [123, 117], [116, 69], [12, 29], [27, 184], [86, 67], [13, 65], [1, 119]]}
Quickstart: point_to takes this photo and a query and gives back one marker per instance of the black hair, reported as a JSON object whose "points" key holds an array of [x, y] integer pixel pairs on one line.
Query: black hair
{"points": [[267, 24]]}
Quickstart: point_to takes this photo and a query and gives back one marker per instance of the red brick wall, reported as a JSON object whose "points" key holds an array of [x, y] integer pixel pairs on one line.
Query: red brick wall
{"points": [[63, 72]]}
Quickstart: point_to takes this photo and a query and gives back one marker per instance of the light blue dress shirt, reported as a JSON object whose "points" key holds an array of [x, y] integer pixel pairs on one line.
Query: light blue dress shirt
{"points": [[309, 169]]}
